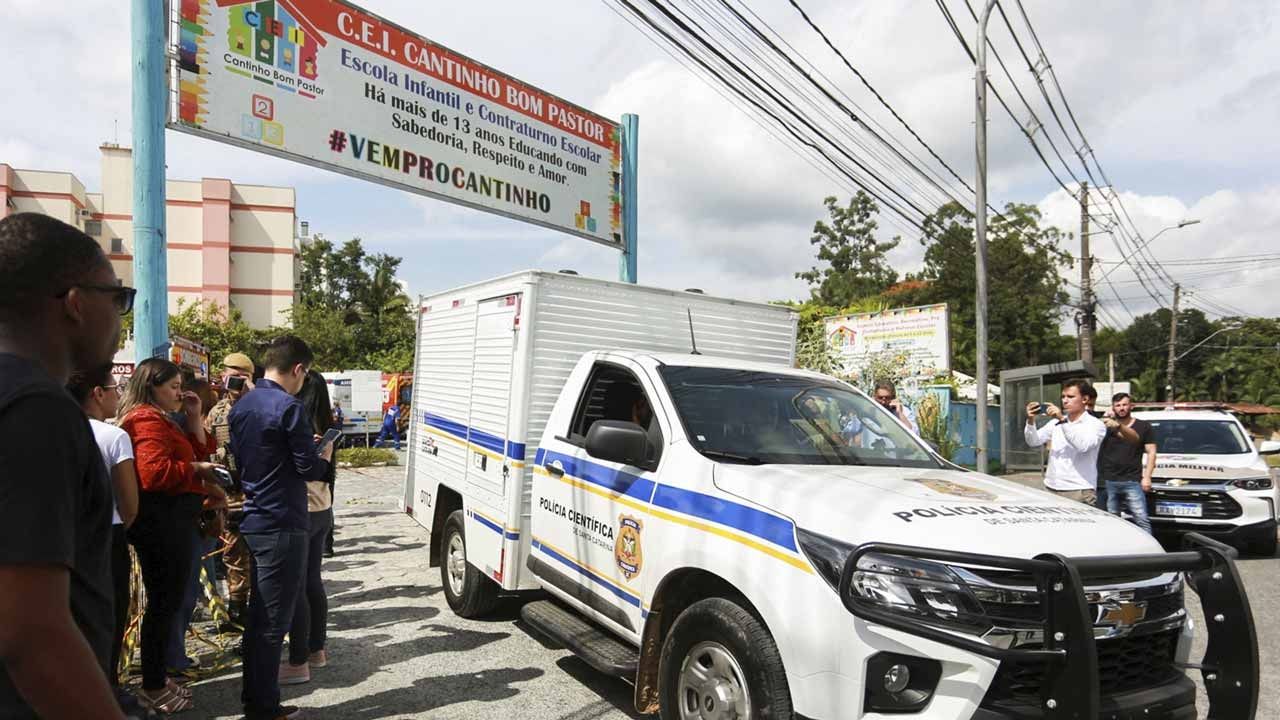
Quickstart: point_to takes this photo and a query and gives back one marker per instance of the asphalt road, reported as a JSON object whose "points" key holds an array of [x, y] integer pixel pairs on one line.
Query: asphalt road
{"points": [[396, 651]]}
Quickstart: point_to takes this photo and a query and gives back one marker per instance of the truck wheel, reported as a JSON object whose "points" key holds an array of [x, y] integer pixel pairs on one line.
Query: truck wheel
{"points": [[720, 663], [469, 593]]}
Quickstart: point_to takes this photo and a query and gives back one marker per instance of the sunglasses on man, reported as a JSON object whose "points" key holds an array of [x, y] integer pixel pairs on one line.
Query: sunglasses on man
{"points": [[121, 296]]}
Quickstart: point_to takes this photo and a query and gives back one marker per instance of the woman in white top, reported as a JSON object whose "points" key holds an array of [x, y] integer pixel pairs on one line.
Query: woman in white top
{"points": [[98, 393]]}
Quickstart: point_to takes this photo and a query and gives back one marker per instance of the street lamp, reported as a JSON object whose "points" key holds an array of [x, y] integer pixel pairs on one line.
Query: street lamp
{"points": [[1181, 224], [1228, 328]]}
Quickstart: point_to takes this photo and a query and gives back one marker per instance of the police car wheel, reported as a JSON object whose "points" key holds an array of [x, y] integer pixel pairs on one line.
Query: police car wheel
{"points": [[719, 662], [469, 593]]}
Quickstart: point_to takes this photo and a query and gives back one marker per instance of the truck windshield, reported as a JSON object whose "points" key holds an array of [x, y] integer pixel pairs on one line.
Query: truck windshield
{"points": [[1199, 437], [751, 417]]}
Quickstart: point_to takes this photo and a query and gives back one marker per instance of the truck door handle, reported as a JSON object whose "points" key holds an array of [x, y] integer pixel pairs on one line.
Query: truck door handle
{"points": [[554, 469]]}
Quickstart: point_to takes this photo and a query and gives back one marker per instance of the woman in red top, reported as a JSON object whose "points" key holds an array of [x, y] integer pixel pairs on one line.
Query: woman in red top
{"points": [[173, 482]]}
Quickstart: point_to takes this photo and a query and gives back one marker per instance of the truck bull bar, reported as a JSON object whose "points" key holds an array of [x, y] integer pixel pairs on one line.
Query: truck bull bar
{"points": [[1070, 688]]}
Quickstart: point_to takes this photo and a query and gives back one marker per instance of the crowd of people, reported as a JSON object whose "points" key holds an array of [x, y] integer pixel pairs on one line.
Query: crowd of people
{"points": [[188, 471]]}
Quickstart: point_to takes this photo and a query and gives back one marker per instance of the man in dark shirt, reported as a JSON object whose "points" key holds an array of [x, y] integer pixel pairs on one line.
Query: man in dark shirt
{"points": [[274, 442], [1123, 476], [60, 308]]}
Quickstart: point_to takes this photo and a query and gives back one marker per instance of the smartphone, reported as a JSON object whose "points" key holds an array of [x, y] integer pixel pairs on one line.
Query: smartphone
{"points": [[235, 382], [330, 436], [224, 477], [1043, 407]]}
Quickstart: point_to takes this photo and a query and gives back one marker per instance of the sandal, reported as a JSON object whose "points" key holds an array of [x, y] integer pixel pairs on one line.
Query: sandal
{"points": [[178, 688], [166, 702]]}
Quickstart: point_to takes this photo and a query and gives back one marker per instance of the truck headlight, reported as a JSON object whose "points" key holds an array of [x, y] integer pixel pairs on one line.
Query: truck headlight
{"points": [[1258, 483], [927, 590]]}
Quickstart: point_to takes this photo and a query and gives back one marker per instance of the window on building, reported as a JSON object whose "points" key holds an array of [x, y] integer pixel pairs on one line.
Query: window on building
{"points": [[117, 245], [93, 228]]}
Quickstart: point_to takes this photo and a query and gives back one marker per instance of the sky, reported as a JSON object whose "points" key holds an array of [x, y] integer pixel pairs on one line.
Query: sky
{"points": [[1179, 102]]}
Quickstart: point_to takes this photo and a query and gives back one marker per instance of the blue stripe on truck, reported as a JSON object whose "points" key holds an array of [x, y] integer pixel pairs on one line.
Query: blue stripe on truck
{"points": [[492, 443]]}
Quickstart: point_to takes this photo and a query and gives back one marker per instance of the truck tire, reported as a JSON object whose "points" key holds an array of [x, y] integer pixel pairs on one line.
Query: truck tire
{"points": [[719, 661], [470, 594]]}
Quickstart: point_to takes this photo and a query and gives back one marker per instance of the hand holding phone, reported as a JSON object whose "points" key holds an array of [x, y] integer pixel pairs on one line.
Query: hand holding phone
{"points": [[330, 436], [235, 383]]}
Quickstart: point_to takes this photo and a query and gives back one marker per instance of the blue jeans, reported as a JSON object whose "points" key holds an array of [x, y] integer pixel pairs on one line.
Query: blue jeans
{"points": [[279, 562], [175, 655], [1127, 495], [393, 431]]}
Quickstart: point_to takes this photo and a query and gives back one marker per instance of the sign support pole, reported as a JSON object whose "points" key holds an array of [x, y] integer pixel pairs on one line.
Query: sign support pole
{"points": [[150, 264], [630, 143]]}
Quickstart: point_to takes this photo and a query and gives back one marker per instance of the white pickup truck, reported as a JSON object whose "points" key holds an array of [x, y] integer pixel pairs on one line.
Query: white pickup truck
{"points": [[704, 526]]}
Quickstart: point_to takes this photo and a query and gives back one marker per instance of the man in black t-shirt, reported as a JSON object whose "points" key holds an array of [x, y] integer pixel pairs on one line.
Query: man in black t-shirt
{"points": [[1126, 461], [60, 308]]}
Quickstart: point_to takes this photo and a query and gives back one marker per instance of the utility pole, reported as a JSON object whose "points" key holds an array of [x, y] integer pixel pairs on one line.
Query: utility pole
{"points": [[980, 231], [150, 262], [1173, 344], [1086, 282], [1111, 365]]}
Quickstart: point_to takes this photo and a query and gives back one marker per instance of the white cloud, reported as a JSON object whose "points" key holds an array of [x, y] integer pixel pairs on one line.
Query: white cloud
{"points": [[1179, 102]]}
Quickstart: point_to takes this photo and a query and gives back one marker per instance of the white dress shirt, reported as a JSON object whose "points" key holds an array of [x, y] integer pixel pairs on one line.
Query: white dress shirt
{"points": [[1073, 455]]}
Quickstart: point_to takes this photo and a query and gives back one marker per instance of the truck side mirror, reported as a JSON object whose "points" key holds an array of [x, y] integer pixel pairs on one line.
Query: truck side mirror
{"points": [[618, 441]]}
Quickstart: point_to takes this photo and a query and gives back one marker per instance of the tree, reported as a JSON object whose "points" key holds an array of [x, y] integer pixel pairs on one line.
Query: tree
{"points": [[354, 307], [222, 330], [1025, 287], [856, 262]]}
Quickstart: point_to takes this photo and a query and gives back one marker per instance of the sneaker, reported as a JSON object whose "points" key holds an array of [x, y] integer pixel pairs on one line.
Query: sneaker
{"points": [[318, 659], [295, 674]]}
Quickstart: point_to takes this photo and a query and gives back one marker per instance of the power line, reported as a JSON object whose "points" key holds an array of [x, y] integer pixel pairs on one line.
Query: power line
{"points": [[802, 151], [790, 129], [825, 92], [877, 94]]}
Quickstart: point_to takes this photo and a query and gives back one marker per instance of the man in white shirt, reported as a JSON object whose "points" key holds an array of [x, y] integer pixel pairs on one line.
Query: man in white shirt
{"points": [[1074, 438]]}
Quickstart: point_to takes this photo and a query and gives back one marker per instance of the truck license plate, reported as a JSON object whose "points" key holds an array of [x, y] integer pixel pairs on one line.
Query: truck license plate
{"points": [[1179, 509]]}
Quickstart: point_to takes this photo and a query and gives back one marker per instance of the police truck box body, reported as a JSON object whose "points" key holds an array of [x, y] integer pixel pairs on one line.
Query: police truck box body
{"points": [[741, 539]]}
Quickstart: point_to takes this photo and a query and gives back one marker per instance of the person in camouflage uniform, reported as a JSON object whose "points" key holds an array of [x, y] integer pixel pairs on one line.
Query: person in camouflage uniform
{"points": [[236, 557]]}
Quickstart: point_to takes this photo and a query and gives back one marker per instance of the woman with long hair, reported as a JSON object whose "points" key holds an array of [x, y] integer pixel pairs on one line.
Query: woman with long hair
{"points": [[311, 614], [173, 482]]}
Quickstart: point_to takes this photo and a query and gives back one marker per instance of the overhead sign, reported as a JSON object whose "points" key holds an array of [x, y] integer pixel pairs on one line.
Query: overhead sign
{"points": [[921, 333], [327, 83]]}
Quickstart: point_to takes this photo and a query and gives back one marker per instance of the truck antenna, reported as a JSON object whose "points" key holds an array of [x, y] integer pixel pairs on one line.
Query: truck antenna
{"points": [[692, 340]]}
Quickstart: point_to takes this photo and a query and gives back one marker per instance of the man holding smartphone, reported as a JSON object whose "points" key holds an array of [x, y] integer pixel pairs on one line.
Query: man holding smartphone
{"points": [[237, 379], [274, 440], [1074, 437]]}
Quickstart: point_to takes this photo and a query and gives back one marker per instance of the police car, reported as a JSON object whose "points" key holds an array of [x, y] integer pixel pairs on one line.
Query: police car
{"points": [[1211, 479]]}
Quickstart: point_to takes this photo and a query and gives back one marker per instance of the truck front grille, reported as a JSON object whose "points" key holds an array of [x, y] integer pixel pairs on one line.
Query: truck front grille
{"points": [[1213, 505], [1024, 615], [1128, 663]]}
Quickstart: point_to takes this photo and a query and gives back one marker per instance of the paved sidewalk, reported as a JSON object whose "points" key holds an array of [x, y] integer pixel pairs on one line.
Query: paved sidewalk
{"points": [[397, 651]]}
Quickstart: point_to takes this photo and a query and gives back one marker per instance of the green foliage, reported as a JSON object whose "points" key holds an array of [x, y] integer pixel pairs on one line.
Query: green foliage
{"points": [[366, 457], [223, 331], [935, 427], [855, 261], [352, 305], [1025, 287]]}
